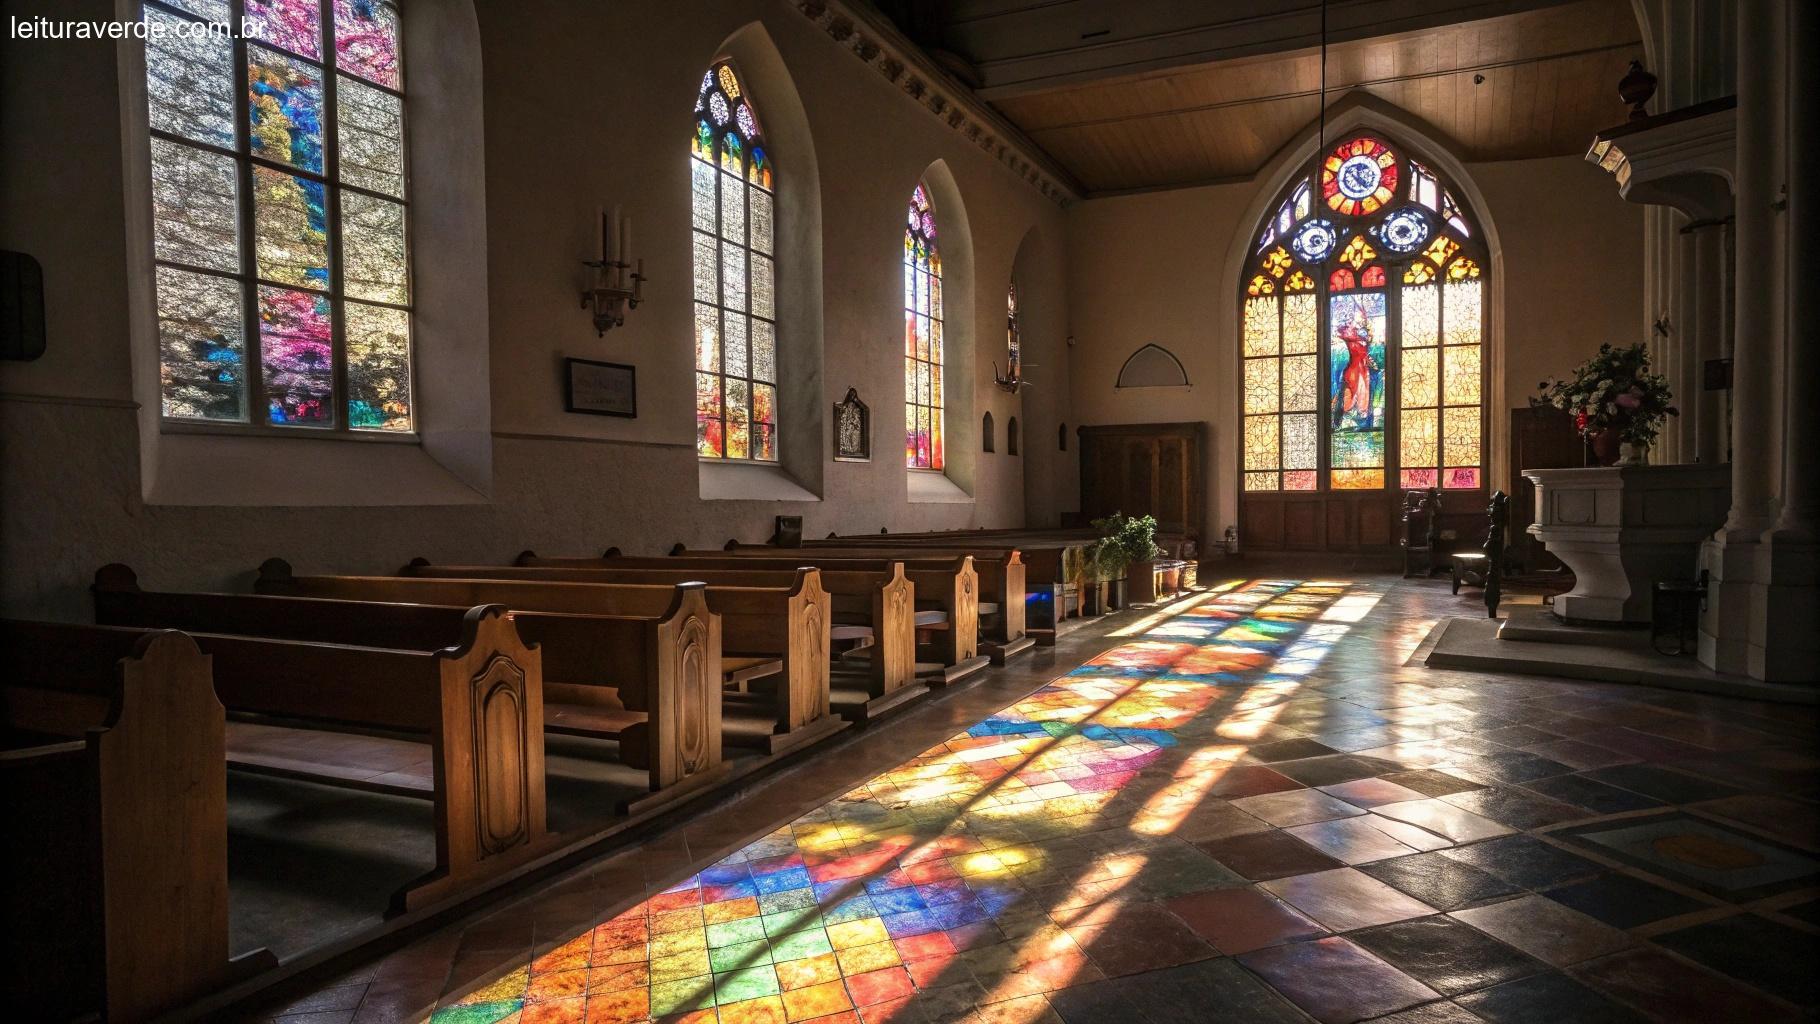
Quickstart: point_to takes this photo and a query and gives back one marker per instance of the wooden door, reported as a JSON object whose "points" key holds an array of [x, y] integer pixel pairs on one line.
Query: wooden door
{"points": [[1145, 469]]}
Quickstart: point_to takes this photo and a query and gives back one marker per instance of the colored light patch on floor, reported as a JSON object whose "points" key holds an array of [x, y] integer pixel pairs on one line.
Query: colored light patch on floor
{"points": [[954, 868]]}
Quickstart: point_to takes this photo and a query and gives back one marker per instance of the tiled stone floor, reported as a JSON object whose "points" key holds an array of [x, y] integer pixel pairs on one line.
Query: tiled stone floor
{"points": [[1248, 809]]}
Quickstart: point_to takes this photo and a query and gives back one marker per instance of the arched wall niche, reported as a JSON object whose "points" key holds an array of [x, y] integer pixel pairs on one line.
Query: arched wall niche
{"points": [[797, 232], [1356, 111], [452, 461], [954, 238], [1152, 366]]}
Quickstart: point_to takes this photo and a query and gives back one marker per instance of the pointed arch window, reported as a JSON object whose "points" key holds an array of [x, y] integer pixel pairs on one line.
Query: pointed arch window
{"points": [[1014, 335], [280, 213], [733, 193], [1362, 331], [923, 446]]}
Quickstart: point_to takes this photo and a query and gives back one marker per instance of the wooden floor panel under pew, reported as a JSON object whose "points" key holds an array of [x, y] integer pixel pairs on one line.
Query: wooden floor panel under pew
{"points": [[456, 720], [681, 686], [630, 655], [1003, 587], [876, 605], [947, 612], [114, 874]]}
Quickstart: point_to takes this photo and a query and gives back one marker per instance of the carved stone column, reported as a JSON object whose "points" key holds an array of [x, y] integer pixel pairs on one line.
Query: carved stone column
{"points": [[1705, 410], [1785, 602]]}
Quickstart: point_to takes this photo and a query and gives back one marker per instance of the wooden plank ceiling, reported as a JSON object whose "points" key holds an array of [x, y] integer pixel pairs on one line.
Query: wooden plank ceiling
{"points": [[1537, 82]]}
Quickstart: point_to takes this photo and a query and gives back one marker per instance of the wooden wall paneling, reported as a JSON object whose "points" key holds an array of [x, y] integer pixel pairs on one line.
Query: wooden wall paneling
{"points": [[1145, 469]]}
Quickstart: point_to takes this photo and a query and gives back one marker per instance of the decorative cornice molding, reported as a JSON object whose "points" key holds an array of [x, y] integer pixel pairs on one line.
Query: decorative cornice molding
{"points": [[878, 44]]}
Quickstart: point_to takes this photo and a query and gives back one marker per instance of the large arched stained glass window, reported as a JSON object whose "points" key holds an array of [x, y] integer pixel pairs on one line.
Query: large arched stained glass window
{"points": [[279, 213], [730, 177], [1362, 332], [922, 336]]}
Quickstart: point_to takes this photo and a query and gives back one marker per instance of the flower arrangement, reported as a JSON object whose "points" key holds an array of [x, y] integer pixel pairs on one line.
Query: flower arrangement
{"points": [[1613, 391]]}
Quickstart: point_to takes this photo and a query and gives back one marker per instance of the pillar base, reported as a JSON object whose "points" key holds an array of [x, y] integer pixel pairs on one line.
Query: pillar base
{"points": [[1784, 645]]}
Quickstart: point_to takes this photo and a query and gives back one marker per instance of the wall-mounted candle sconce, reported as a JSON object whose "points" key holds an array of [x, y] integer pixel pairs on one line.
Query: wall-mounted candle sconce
{"points": [[611, 296]]}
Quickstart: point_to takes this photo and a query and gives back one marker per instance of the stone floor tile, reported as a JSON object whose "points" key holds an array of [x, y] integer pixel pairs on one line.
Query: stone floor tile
{"points": [[1545, 929], [1443, 819], [1241, 920], [1335, 981], [1516, 807], [1371, 792], [1669, 990], [1548, 999], [1296, 808], [1433, 781], [1440, 881], [1345, 898], [1526, 862], [1447, 956], [1755, 950], [1625, 901], [1351, 840], [1265, 855]]}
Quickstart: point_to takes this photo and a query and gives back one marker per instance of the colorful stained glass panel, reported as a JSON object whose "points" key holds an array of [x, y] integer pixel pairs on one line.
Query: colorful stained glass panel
{"points": [[290, 228], [1261, 443], [1419, 443], [1460, 436], [379, 367], [201, 345], [195, 206], [366, 40], [284, 109], [1356, 371], [296, 350], [294, 25], [1301, 324]]}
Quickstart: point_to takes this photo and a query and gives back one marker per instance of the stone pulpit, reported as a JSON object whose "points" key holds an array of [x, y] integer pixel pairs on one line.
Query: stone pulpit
{"points": [[1622, 529]]}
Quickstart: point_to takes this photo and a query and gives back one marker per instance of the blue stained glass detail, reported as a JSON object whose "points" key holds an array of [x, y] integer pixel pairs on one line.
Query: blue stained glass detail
{"points": [[1313, 241]]}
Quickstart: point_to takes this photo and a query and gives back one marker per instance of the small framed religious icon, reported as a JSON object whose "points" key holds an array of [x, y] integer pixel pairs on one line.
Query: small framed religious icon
{"points": [[603, 389], [852, 429]]}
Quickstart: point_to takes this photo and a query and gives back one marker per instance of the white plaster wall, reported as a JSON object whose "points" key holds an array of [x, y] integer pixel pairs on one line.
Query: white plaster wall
{"points": [[585, 104], [1150, 268]]}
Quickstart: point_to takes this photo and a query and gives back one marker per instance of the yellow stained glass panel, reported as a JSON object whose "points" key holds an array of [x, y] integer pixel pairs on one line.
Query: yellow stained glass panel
{"points": [[1461, 374], [1261, 450], [1460, 436], [1419, 447], [1261, 326], [1261, 393], [1356, 479], [1301, 324], [1463, 312], [1420, 375], [1261, 481], [1421, 318], [1300, 385]]}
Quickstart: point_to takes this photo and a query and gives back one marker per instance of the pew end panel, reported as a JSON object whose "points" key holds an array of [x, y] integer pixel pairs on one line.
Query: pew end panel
{"points": [[122, 903]]}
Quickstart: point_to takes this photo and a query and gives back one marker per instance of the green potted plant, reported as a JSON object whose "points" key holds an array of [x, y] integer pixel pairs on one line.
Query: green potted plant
{"points": [[1126, 544], [1618, 405]]}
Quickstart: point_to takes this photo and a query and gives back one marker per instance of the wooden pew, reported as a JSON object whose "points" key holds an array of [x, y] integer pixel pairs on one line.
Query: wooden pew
{"points": [[1050, 576], [789, 621], [114, 871], [885, 599], [949, 586], [479, 703], [635, 667], [1003, 587]]}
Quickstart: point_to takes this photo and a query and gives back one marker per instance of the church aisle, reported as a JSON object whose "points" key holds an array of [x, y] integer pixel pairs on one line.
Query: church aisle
{"points": [[1247, 810]]}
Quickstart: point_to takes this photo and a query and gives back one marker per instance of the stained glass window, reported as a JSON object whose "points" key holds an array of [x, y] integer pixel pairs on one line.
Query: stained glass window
{"points": [[1014, 335], [732, 195], [923, 447], [1361, 332], [280, 215]]}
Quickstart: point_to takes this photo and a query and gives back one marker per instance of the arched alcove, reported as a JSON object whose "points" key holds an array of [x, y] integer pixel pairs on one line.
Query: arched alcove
{"points": [[1152, 366], [797, 248], [954, 235], [1354, 115], [1011, 436], [986, 432]]}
